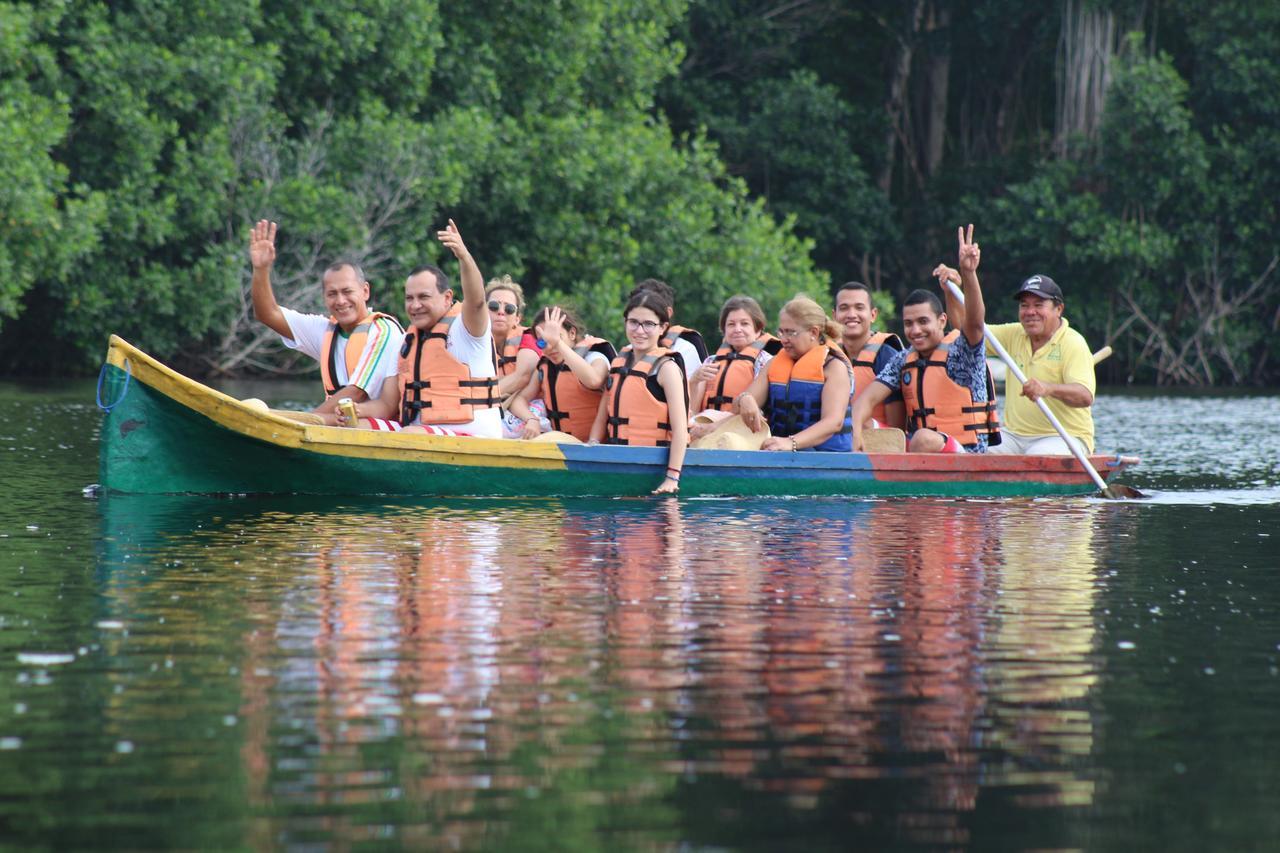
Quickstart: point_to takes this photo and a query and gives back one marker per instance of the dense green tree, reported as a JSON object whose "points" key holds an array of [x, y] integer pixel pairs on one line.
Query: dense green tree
{"points": [[724, 145], [44, 224]]}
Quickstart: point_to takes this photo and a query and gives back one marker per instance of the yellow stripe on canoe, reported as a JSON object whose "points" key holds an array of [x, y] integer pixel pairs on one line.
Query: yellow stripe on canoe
{"points": [[238, 417]]}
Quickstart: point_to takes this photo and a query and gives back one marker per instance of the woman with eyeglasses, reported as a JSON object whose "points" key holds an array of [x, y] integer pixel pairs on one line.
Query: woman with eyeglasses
{"points": [[807, 387], [569, 380], [515, 355], [646, 402], [746, 350]]}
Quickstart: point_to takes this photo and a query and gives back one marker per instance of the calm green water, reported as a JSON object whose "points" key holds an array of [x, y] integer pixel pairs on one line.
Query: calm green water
{"points": [[302, 673]]}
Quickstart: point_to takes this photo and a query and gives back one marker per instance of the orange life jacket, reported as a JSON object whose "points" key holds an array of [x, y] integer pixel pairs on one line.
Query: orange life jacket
{"points": [[933, 401], [795, 395], [637, 411], [571, 406], [864, 367], [684, 333], [504, 352], [735, 371], [436, 385], [355, 347]]}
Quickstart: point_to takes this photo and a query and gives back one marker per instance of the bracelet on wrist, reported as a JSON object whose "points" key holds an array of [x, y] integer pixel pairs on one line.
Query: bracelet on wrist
{"points": [[793, 444]]}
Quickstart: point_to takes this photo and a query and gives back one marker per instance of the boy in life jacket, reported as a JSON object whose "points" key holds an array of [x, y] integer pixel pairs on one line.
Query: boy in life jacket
{"points": [[948, 396], [870, 352], [446, 382], [356, 347]]}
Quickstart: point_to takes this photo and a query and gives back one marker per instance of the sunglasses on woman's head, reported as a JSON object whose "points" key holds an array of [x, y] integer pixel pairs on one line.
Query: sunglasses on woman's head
{"points": [[505, 307]]}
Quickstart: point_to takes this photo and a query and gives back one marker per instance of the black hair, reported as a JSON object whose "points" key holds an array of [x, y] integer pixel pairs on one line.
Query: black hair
{"points": [[850, 285], [661, 288], [654, 301], [921, 296], [442, 280]]}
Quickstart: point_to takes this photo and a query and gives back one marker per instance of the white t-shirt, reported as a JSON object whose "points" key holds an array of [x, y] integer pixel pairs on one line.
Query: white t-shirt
{"points": [[688, 355], [377, 361], [476, 354]]}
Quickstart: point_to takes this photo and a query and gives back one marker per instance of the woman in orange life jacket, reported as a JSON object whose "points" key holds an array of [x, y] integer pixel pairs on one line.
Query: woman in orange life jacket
{"points": [[746, 349], [515, 355], [646, 399], [570, 377], [807, 386]]}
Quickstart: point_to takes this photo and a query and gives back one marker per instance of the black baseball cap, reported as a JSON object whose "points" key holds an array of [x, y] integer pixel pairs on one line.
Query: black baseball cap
{"points": [[1042, 286]]}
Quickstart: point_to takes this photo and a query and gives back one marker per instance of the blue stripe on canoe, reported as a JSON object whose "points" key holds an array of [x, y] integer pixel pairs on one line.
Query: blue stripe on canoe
{"points": [[747, 464]]}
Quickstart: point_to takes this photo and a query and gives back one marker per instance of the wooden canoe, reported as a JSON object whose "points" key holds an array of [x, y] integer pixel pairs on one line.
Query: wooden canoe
{"points": [[165, 433]]}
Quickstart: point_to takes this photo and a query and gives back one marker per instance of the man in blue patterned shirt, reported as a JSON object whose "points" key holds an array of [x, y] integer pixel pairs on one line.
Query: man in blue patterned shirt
{"points": [[943, 377]]}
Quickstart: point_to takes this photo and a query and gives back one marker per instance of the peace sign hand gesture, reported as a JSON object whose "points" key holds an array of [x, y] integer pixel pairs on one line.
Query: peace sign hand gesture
{"points": [[970, 254]]}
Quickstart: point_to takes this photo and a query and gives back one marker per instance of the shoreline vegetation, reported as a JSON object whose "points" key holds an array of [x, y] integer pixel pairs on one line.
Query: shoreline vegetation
{"points": [[1128, 149]]}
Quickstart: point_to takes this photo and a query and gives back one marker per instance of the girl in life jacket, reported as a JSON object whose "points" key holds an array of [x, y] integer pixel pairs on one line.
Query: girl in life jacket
{"points": [[569, 379], [646, 400], [804, 394], [514, 353], [745, 351]]}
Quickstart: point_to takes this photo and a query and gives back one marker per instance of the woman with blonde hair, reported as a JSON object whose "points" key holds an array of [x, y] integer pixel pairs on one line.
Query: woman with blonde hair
{"points": [[807, 386], [514, 353]]}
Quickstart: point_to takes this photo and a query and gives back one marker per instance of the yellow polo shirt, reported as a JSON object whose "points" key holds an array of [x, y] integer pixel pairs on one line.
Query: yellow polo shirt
{"points": [[1065, 359]]}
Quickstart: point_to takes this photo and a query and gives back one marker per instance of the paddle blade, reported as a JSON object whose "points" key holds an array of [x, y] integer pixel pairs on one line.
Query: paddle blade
{"points": [[1121, 492]]}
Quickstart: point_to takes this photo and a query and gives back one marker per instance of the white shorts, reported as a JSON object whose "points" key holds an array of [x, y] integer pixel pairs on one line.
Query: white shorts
{"points": [[1034, 445]]}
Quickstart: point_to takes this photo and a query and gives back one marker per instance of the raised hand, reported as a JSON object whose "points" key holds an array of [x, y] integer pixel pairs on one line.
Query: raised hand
{"points": [[553, 327], [970, 254], [453, 241], [944, 273], [262, 244]]}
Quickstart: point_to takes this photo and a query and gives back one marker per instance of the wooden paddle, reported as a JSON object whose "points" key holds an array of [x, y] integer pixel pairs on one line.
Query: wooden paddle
{"points": [[1076, 450]]}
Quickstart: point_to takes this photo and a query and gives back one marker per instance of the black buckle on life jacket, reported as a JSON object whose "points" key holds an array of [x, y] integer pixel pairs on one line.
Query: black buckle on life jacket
{"points": [[615, 440], [713, 402], [614, 420]]}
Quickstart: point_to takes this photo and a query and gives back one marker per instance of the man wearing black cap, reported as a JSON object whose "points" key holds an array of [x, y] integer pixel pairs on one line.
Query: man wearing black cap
{"points": [[1059, 367]]}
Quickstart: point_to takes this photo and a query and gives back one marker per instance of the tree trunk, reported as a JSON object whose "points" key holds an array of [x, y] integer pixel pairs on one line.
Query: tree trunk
{"points": [[938, 25], [895, 106], [1086, 46]]}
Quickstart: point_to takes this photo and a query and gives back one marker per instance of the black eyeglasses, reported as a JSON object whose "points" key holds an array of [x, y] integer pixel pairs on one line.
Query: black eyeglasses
{"points": [[506, 307]]}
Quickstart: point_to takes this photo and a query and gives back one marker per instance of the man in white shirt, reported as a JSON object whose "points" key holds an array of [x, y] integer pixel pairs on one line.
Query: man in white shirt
{"points": [[467, 353], [356, 348]]}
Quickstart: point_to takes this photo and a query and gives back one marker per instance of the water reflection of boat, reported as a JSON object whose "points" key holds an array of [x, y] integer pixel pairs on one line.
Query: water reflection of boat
{"points": [[169, 434]]}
